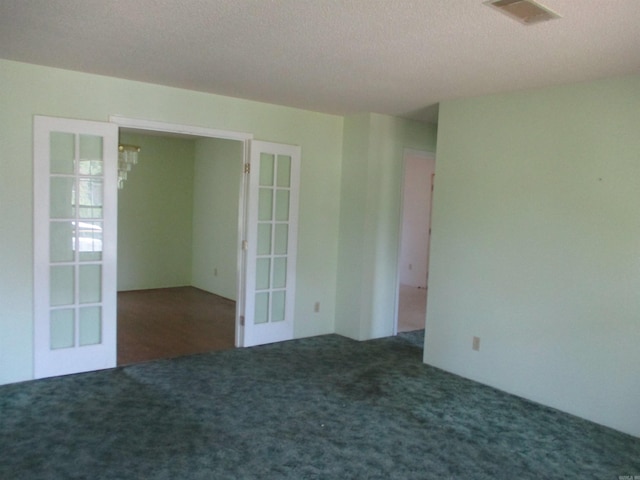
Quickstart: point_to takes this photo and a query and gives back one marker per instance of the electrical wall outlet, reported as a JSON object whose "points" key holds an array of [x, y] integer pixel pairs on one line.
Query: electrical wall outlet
{"points": [[476, 344], [316, 307], [215, 272]]}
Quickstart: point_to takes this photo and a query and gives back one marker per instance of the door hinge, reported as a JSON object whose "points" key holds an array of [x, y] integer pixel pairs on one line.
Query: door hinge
{"points": [[245, 245], [247, 168], [242, 320]]}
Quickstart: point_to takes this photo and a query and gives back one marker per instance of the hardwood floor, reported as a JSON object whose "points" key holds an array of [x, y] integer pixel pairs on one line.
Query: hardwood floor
{"points": [[171, 322]]}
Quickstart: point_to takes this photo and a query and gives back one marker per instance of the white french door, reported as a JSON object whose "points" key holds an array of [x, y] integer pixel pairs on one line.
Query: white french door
{"points": [[75, 222], [272, 225], [75, 245]]}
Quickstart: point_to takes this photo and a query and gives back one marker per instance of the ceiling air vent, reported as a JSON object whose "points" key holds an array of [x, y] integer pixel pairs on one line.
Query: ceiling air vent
{"points": [[526, 12]]}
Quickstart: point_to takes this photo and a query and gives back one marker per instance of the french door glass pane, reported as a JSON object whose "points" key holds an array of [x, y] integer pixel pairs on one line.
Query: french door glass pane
{"points": [[261, 315], [266, 169], [265, 204], [62, 285], [62, 150], [90, 326], [90, 155], [263, 267], [264, 239], [61, 241], [90, 198], [277, 306], [62, 328], [89, 241], [90, 283], [62, 193], [279, 272], [284, 171], [282, 205], [281, 239]]}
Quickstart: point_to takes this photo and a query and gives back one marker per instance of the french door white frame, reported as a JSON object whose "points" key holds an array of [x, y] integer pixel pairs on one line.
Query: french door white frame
{"points": [[281, 202], [98, 352], [245, 138]]}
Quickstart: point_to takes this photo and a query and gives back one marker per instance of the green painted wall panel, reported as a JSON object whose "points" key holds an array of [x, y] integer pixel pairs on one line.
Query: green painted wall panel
{"points": [[535, 247], [352, 291], [218, 175]]}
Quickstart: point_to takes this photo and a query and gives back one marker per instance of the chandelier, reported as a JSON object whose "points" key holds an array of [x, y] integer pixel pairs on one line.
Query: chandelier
{"points": [[127, 158]]}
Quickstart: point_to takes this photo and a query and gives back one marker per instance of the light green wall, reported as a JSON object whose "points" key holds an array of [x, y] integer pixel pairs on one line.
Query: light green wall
{"points": [[26, 90], [155, 210], [370, 220], [218, 174], [352, 306], [178, 215], [536, 247]]}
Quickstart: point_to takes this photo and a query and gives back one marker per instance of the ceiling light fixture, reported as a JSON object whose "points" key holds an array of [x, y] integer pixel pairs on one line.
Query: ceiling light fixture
{"points": [[526, 12], [127, 158]]}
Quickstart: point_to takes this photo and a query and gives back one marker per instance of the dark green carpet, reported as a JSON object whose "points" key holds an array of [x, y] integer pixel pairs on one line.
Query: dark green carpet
{"points": [[324, 407]]}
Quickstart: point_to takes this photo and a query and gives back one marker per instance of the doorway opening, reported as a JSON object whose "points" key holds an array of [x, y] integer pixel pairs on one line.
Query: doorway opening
{"points": [[413, 258], [179, 229], [75, 231]]}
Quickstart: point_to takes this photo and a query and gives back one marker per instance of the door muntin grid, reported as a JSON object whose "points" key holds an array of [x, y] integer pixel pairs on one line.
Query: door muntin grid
{"points": [[272, 250], [76, 192], [75, 253]]}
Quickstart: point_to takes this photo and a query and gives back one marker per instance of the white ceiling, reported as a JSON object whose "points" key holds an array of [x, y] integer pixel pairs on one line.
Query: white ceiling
{"points": [[397, 57]]}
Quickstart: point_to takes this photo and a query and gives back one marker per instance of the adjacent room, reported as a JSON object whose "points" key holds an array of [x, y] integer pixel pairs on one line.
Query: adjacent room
{"points": [[177, 246]]}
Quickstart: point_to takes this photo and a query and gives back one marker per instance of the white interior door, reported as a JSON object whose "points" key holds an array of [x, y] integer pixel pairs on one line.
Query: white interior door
{"points": [[272, 225], [75, 221]]}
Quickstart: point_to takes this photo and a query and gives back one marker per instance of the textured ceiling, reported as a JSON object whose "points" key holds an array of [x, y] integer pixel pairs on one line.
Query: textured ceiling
{"points": [[398, 57]]}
